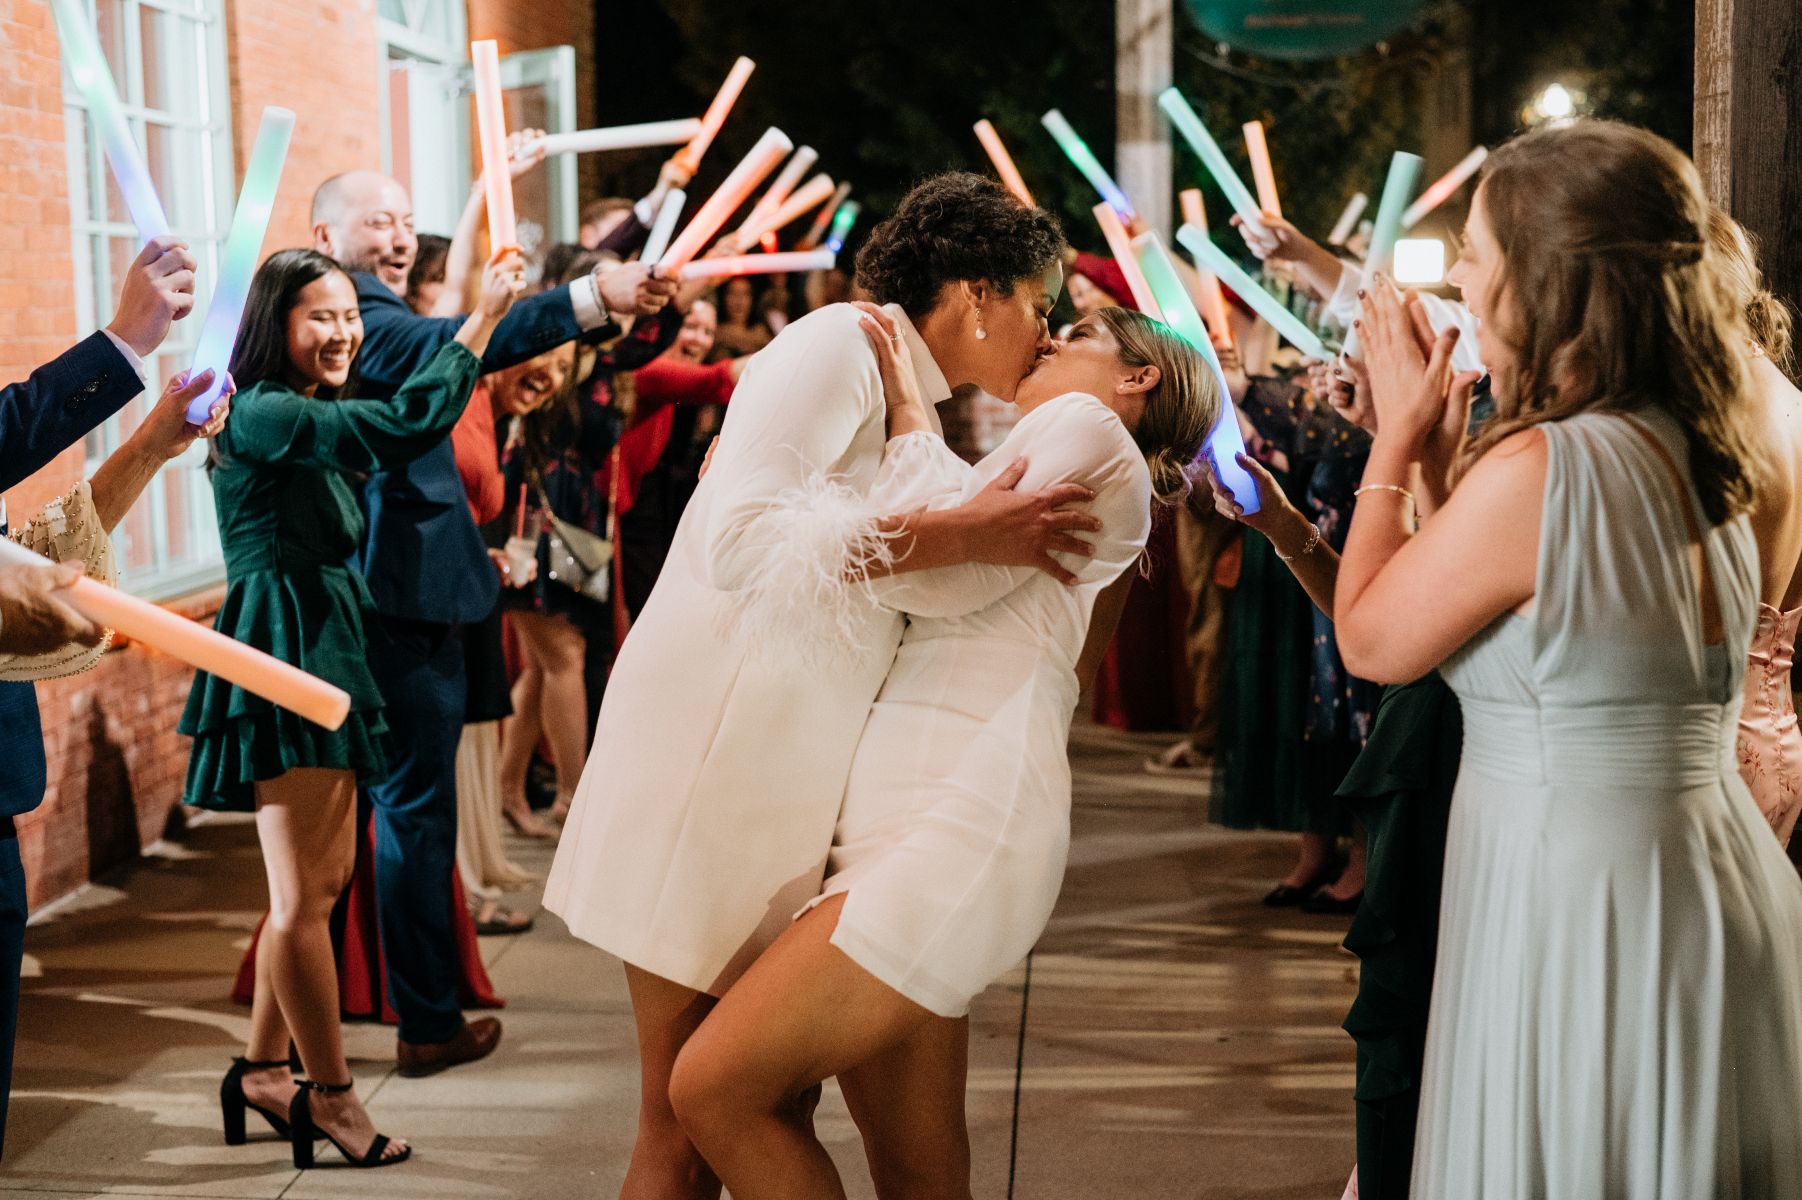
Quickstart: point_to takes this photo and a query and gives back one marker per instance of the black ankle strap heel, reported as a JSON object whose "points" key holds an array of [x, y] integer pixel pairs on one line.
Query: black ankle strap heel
{"points": [[233, 1104], [306, 1132]]}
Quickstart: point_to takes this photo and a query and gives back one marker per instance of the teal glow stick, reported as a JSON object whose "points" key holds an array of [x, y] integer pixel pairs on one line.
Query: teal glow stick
{"points": [[94, 80], [1398, 189], [842, 221], [1225, 441], [1181, 115], [1084, 160], [243, 246], [1293, 329]]}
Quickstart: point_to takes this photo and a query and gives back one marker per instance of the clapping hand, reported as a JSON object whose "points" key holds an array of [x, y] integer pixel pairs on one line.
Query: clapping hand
{"points": [[1414, 393]]}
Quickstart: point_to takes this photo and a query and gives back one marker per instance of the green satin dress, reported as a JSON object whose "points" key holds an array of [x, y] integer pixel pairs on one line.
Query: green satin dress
{"points": [[288, 523]]}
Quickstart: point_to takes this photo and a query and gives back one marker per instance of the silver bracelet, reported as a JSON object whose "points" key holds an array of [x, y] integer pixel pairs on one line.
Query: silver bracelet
{"points": [[1307, 547]]}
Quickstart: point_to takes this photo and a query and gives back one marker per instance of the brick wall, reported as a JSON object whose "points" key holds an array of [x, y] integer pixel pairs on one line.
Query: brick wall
{"points": [[526, 25]]}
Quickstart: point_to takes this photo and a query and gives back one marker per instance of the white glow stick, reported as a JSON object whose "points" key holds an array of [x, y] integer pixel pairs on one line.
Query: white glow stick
{"points": [[778, 191], [1210, 300], [1249, 290], [491, 123], [689, 157], [94, 80], [238, 261], [1004, 162], [783, 263], [1262, 173], [620, 137], [1348, 220], [1441, 189], [751, 170], [195, 644], [812, 194], [823, 222], [1202, 142], [664, 225], [1121, 247]]}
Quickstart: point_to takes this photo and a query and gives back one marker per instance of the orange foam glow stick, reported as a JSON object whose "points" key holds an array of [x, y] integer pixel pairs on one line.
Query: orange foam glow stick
{"points": [[784, 263], [751, 170], [1262, 173], [1209, 298], [806, 198], [689, 156], [491, 128], [793, 171], [1004, 162], [1121, 247], [251, 669]]}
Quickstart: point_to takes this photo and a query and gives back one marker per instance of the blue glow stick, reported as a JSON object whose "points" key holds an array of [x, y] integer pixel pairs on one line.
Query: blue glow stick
{"points": [[842, 221], [1225, 441], [1079, 154], [1181, 115], [238, 262], [1293, 329], [94, 80]]}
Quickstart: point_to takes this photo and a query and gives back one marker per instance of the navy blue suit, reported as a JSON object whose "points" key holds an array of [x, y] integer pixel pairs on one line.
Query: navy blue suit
{"points": [[39, 419], [429, 575]]}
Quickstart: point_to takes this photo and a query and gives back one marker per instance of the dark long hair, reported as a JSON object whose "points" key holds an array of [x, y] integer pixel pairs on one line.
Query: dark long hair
{"points": [[261, 351]]}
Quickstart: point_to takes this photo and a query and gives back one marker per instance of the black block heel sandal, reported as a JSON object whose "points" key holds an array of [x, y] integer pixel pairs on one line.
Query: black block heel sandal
{"points": [[232, 1103], [300, 1118]]}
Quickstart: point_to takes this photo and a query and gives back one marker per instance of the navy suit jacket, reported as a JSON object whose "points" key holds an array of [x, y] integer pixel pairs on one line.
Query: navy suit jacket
{"points": [[421, 554], [39, 419]]}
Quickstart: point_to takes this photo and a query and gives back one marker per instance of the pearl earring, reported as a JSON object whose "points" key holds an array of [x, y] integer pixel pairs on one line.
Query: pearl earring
{"points": [[981, 333]]}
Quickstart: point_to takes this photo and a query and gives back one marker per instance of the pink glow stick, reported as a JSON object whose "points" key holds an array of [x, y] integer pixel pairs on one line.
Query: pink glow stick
{"points": [[251, 669], [1262, 173], [784, 263], [491, 123], [1441, 189], [770, 149], [807, 197], [689, 156], [1208, 298], [1121, 247], [823, 221], [1004, 162]]}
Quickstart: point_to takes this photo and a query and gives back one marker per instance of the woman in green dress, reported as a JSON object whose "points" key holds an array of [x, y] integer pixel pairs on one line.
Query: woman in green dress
{"points": [[288, 521]]}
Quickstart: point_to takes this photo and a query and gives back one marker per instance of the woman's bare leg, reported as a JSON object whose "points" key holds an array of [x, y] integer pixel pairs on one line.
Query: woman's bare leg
{"points": [[665, 1164], [908, 1102], [306, 821], [271, 1088], [555, 648], [804, 1012], [520, 734]]}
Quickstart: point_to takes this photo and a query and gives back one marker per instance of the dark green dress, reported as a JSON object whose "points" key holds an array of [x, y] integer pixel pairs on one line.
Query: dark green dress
{"points": [[1401, 788], [288, 523]]}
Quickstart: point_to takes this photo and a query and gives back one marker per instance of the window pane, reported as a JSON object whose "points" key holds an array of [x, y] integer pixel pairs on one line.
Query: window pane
{"points": [[169, 63]]}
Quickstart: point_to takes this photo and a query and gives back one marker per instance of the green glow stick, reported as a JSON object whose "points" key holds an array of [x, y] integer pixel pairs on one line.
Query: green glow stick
{"points": [[1225, 442], [1181, 115], [1079, 154], [842, 220], [1398, 189], [1248, 289], [238, 262], [94, 80]]}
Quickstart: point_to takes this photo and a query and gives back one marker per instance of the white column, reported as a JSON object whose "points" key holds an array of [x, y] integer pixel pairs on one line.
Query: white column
{"points": [[1142, 69]]}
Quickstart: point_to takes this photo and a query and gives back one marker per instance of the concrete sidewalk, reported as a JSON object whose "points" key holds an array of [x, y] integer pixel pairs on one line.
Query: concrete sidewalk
{"points": [[1180, 1039]]}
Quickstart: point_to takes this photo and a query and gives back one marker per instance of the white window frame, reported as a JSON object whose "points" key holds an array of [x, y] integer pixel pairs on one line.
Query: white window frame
{"points": [[211, 177]]}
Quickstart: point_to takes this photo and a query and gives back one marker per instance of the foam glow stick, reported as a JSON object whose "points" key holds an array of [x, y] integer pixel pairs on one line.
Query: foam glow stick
{"points": [[1084, 160], [751, 170], [1225, 442], [238, 261], [811, 195], [821, 222], [491, 126], [94, 80], [195, 644], [621, 137], [1210, 300], [1121, 247], [1253, 293], [1004, 162], [689, 156], [1202, 142], [1404, 173], [1348, 220], [758, 264], [778, 191], [1441, 189], [663, 225], [1262, 173], [842, 220]]}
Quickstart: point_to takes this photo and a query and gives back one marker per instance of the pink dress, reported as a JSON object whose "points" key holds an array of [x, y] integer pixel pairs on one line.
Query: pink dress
{"points": [[1770, 745]]}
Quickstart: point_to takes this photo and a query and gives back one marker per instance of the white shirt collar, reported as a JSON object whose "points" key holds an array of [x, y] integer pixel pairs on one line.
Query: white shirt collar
{"points": [[933, 384]]}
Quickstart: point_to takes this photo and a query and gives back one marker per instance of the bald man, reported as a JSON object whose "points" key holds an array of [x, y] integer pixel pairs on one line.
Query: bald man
{"points": [[429, 575]]}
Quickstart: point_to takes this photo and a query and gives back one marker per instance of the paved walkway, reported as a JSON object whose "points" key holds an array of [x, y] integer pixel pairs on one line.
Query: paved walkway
{"points": [[1181, 1040]]}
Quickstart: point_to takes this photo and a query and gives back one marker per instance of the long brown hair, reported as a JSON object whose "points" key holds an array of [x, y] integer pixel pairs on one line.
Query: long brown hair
{"points": [[1609, 297], [1768, 318], [1179, 411]]}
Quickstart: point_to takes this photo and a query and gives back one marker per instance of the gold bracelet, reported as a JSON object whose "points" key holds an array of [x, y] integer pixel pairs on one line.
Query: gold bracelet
{"points": [[1386, 487], [1307, 547]]}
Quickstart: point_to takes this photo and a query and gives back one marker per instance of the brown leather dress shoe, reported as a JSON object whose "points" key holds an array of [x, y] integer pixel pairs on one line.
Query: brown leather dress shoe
{"points": [[477, 1039]]}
